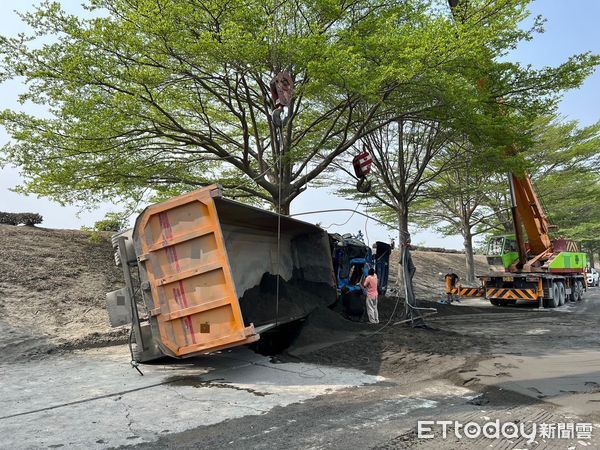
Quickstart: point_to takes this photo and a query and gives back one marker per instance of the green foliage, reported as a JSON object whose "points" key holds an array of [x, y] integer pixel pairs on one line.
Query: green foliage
{"points": [[29, 219], [454, 202], [562, 159], [563, 145], [112, 222], [93, 235], [565, 159], [572, 199], [154, 98]]}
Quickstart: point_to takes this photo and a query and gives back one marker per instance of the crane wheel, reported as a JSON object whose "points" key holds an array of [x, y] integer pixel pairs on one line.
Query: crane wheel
{"points": [[561, 293], [579, 290], [572, 297], [553, 302]]}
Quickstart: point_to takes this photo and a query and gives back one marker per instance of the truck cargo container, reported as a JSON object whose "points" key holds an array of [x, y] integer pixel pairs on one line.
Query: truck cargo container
{"points": [[204, 273]]}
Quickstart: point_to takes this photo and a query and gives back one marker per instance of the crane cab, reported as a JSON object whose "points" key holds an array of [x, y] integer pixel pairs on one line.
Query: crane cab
{"points": [[502, 252]]}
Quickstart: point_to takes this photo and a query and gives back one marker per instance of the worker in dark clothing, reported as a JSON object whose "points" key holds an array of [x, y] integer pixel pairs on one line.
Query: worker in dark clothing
{"points": [[452, 281]]}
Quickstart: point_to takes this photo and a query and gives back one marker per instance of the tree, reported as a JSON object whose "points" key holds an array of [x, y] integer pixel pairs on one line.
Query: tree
{"points": [[561, 145], [565, 159], [562, 160], [162, 96], [455, 203], [498, 201], [402, 152]]}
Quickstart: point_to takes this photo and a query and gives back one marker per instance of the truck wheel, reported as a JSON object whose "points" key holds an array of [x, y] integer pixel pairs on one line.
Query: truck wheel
{"points": [[572, 297], [561, 293], [579, 285], [553, 302], [495, 302], [575, 289]]}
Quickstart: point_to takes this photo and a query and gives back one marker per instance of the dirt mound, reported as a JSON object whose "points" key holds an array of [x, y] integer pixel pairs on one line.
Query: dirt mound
{"points": [[384, 349], [431, 268], [323, 328], [260, 305], [53, 285], [52, 289], [390, 347]]}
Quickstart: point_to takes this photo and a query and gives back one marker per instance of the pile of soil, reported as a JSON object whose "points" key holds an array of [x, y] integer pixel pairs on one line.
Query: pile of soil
{"points": [[386, 349], [322, 328], [52, 290], [431, 267], [389, 348], [297, 299], [53, 285]]}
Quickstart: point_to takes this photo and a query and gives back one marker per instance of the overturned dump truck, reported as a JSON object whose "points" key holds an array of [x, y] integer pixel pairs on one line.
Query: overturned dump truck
{"points": [[204, 273], [352, 260]]}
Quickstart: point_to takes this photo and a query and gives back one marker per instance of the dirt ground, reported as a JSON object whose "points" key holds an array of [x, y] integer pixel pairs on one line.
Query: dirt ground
{"points": [[431, 268], [54, 282], [52, 291]]}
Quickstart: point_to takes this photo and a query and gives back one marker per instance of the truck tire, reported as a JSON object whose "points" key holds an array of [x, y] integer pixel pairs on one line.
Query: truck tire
{"points": [[579, 285], [572, 297], [495, 302], [561, 293], [553, 302]]}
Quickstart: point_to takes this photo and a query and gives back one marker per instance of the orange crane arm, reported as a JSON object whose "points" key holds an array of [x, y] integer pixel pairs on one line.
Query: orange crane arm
{"points": [[531, 215]]}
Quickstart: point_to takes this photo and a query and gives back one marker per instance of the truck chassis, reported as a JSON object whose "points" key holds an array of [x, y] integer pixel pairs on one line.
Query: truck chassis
{"points": [[548, 290]]}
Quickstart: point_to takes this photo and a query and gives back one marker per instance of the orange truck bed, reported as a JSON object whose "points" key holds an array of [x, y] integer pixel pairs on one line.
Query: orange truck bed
{"points": [[197, 255]]}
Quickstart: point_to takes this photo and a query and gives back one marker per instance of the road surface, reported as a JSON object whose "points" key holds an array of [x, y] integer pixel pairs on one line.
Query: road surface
{"points": [[519, 365]]}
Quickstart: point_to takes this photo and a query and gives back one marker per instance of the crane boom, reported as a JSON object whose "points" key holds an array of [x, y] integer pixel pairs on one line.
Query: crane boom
{"points": [[531, 215], [528, 213]]}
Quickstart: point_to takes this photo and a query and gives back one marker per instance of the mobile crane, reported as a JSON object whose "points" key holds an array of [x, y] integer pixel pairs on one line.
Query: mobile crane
{"points": [[543, 270]]}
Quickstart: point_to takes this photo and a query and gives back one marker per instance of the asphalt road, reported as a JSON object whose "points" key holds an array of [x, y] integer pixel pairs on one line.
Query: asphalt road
{"points": [[537, 366], [543, 367]]}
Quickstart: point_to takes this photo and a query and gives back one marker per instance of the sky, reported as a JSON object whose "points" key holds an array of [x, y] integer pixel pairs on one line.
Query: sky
{"points": [[571, 27]]}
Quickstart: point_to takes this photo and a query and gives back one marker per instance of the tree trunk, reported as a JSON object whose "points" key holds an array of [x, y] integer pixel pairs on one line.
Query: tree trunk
{"points": [[406, 265], [470, 261], [285, 208], [286, 201], [403, 238]]}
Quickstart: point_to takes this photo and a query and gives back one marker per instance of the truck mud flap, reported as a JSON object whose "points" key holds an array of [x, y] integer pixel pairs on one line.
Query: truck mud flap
{"points": [[511, 294]]}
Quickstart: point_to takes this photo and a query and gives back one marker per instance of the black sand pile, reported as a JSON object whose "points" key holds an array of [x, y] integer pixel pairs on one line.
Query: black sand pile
{"points": [[297, 299], [326, 337], [325, 327]]}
